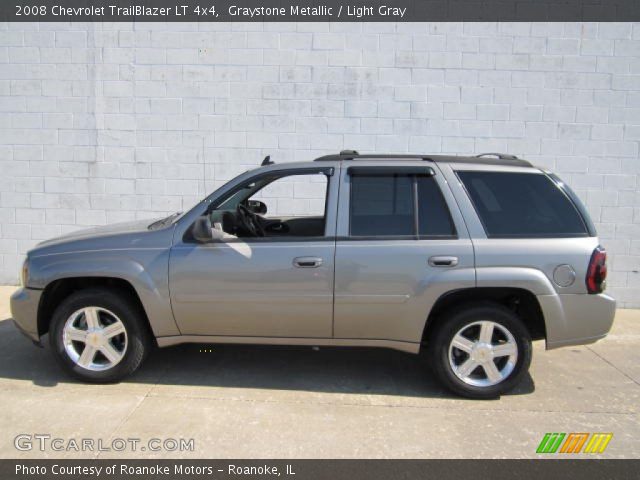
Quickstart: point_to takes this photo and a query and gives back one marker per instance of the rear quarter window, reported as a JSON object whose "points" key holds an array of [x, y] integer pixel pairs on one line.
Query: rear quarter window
{"points": [[522, 205]]}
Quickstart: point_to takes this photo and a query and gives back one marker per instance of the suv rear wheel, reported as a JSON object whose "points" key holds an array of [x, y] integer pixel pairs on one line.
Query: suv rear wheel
{"points": [[480, 351], [99, 336]]}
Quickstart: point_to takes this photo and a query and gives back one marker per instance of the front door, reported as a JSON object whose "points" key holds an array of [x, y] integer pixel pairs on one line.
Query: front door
{"points": [[273, 279]]}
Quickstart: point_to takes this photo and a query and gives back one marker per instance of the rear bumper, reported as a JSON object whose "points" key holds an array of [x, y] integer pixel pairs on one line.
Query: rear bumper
{"points": [[24, 310], [576, 319]]}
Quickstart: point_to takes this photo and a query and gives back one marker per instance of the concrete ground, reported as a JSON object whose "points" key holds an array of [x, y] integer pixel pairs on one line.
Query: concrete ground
{"points": [[275, 402]]}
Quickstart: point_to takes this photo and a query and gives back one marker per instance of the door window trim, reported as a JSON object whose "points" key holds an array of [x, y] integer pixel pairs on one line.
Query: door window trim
{"points": [[384, 171]]}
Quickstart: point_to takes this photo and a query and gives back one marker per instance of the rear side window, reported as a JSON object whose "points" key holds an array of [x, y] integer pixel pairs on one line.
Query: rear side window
{"points": [[434, 219], [381, 205], [398, 205], [522, 205]]}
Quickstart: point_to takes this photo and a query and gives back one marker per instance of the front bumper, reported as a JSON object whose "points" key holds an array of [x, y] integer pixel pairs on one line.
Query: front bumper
{"points": [[577, 319], [24, 310]]}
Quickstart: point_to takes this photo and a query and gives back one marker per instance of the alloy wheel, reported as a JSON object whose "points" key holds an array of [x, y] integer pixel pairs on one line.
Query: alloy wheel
{"points": [[95, 338], [483, 353]]}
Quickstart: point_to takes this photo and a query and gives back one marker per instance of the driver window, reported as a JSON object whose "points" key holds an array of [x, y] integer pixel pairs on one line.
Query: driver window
{"points": [[294, 196], [286, 206]]}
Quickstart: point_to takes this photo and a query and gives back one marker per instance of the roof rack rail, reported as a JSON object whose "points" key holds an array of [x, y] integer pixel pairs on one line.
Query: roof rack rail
{"points": [[498, 158], [501, 156], [353, 154]]}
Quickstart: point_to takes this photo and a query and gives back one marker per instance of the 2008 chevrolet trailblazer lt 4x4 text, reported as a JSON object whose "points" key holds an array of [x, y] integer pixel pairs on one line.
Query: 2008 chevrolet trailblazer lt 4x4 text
{"points": [[468, 259]]}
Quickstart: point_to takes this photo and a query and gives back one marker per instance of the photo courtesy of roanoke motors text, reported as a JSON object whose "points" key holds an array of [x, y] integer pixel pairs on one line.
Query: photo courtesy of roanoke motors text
{"points": [[319, 239]]}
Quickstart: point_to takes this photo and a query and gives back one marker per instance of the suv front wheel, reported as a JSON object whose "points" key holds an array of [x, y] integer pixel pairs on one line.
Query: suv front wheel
{"points": [[480, 351], [99, 336]]}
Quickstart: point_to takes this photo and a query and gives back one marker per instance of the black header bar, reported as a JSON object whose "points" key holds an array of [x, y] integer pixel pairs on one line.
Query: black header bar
{"points": [[318, 10]]}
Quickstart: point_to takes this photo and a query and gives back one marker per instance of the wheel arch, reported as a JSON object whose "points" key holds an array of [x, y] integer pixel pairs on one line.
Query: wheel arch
{"points": [[523, 302], [58, 290]]}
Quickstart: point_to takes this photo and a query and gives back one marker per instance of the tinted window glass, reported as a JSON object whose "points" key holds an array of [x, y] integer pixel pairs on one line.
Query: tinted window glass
{"points": [[522, 205], [433, 213], [577, 202], [381, 205]]}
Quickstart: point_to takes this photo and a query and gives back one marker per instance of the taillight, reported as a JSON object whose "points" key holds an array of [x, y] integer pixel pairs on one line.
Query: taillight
{"points": [[597, 271]]}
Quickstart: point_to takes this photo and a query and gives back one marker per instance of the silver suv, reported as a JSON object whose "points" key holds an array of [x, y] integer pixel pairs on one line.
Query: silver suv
{"points": [[467, 259]]}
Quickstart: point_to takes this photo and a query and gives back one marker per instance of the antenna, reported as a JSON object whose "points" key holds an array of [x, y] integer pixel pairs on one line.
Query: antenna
{"points": [[267, 161]]}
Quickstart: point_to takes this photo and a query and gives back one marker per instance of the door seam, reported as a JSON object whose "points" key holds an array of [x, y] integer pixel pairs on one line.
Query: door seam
{"points": [[335, 252]]}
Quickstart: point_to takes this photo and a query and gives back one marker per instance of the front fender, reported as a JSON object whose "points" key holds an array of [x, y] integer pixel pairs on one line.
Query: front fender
{"points": [[147, 274]]}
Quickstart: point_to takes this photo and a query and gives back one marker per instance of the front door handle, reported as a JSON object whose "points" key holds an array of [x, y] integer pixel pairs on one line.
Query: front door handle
{"points": [[307, 262], [443, 261]]}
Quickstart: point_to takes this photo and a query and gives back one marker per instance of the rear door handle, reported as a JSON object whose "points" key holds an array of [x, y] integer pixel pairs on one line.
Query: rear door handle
{"points": [[307, 262], [443, 261]]}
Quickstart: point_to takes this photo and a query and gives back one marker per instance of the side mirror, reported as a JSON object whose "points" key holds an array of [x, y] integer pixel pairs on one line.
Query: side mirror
{"points": [[202, 230], [256, 206]]}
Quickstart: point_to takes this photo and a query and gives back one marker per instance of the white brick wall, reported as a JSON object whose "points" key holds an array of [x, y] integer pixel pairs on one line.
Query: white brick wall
{"points": [[101, 123]]}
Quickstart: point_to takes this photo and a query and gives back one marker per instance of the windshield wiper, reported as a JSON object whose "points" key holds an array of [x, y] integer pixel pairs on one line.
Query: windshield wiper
{"points": [[164, 221]]}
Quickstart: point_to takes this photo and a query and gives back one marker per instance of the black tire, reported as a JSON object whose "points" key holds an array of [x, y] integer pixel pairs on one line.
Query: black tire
{"points": [[139, 339], [456, 319]]}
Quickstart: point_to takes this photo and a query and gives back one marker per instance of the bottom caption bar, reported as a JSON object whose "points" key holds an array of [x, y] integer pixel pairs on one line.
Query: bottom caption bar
{"points": [[582, 469]]}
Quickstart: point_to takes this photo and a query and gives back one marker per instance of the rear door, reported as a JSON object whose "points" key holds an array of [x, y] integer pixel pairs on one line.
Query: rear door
{"points": [[401, 244]]}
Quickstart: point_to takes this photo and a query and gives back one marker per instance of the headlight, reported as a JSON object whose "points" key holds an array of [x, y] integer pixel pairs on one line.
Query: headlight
{"points": [[24, 278]]}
